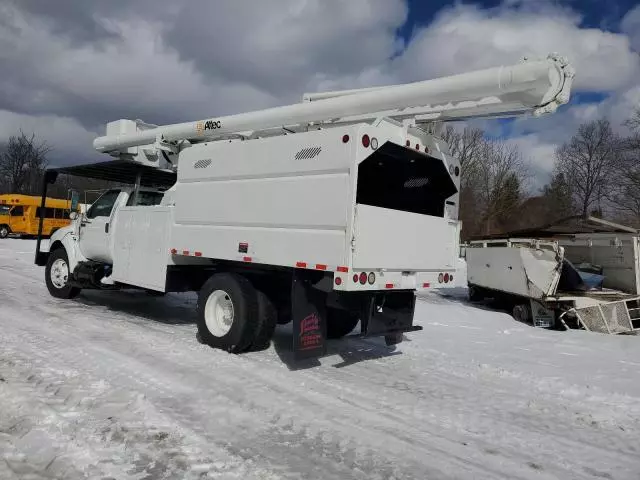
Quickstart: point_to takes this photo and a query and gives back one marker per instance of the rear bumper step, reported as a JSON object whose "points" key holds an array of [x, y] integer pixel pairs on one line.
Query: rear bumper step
{"points": [[386, 314], [393, 331]]}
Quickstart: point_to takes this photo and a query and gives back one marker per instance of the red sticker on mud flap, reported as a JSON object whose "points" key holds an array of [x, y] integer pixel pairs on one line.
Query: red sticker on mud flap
{"points": [[310, 333]]}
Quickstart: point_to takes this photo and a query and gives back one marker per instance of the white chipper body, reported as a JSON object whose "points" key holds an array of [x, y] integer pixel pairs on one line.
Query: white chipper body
{"points": [[330, 213]]}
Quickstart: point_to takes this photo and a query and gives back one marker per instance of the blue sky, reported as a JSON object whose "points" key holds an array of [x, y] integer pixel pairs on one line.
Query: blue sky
{"points": [[616, 17], [596, 13], [69, 67]]}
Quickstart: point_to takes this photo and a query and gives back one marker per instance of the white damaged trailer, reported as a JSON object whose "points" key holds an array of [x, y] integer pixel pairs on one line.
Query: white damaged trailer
{"points": [[588, 280], [327, 213]]}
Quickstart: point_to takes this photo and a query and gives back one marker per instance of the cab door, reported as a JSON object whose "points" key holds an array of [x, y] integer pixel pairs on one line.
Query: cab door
{"points": [[95, 232], [18, 220]]}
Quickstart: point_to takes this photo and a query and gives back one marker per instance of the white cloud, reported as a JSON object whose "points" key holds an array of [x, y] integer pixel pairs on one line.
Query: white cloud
{"points": [[631, 26], [288, 48], [164, 61], [71, 142], [538, 155], [466, 37], [203, 60]]}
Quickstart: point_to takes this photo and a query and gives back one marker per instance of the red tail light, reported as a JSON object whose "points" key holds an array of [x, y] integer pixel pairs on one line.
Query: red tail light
{"points": [[446, 278], [345, 138], [363, 278], [355, 278], [365, 141], [338, 281]]}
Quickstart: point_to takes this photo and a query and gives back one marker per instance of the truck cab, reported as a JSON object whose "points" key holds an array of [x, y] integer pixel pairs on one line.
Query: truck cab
{"points": [[90, 236]]}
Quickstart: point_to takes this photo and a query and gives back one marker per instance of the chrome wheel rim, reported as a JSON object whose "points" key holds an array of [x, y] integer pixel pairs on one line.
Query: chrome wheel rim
{"points": [[59, 273], [219, 313]]}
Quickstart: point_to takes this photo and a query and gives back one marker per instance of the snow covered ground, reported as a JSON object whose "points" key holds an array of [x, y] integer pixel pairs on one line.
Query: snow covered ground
{"points": [[114, 385]]}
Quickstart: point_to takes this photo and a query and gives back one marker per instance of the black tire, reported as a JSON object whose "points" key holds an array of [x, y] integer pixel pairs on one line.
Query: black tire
{"points": [[67, 291], [267, 321], [476, 294], [522, 313], [244, 300], [284, 314], [155, 293], [340, 322], [4, 231]]}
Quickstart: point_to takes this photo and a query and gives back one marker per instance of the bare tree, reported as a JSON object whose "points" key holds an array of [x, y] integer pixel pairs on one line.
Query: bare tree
{"points": [[466, 146], [588, 162], [634, 121], [500, 177], [22, 162], [625, 191], [557, 199]]}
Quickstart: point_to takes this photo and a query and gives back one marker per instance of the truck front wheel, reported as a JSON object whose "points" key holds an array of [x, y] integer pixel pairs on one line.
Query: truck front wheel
{"points": [[57, 275], [227, 312], [4, 231]]}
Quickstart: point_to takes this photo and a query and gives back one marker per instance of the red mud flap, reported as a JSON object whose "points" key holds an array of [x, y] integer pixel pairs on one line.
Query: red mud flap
{"points": [[308, 311]]}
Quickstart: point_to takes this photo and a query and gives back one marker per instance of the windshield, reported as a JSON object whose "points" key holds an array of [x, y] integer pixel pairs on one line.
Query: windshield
{"points": [[4, 210]]}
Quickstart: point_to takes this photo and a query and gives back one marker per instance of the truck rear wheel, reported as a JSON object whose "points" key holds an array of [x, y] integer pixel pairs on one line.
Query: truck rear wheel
{"points": [[4, 231], [57, 275], [267, 321], [476, 294], [227, 312], [340, 322]]}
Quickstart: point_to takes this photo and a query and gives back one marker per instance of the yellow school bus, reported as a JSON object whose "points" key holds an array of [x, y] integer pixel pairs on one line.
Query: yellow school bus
{"points": [[20, 215]]}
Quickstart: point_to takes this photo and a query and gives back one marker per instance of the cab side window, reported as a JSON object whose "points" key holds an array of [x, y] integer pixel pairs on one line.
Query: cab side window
{"points": [[145, 199], [102, 206], [17, 211]]}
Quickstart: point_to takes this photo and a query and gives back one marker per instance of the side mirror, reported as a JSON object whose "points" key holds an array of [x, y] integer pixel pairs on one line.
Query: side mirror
{"points": [[73, 215], [75, 199]]}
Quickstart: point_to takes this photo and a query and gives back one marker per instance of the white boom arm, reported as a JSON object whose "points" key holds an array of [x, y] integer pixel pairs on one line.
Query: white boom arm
{"points": [[535, 87]]}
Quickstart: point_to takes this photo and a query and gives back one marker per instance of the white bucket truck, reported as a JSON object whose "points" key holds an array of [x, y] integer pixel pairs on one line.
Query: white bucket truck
{"points": [[329, 212]]}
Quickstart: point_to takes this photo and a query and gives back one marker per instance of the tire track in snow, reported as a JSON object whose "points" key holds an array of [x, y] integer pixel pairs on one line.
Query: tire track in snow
{"points": [[391, 426], [241, 386], [236, 408], [373, 410]]}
